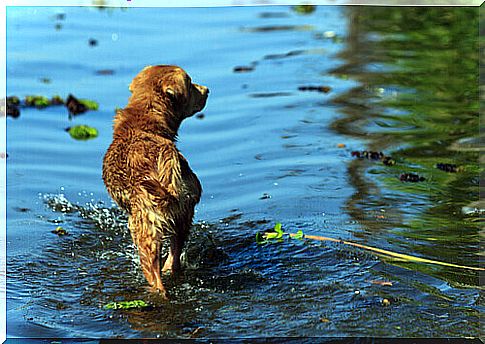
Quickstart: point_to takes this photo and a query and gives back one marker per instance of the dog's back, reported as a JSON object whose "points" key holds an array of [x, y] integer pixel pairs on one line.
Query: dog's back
{"points": [[135, 166]]}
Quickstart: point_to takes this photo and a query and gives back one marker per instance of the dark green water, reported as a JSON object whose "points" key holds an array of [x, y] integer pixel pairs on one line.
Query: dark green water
{"points": [[403, 81], [418, 100]]}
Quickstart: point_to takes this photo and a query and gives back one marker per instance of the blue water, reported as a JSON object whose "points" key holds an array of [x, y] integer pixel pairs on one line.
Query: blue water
{"points": [[261, 159]]}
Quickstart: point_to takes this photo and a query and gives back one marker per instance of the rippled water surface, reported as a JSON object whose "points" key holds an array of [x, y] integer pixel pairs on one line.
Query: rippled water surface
{"points": [[267, 150]]}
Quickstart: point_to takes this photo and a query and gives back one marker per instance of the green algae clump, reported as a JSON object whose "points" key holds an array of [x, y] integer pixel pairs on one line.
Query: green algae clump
{"points": [[82, 132]]}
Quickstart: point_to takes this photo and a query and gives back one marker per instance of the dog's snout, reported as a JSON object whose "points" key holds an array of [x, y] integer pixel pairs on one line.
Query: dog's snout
{"points": [[202, 89]]}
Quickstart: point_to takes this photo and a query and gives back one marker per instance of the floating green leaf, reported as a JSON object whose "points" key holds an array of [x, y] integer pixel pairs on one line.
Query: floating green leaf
{"points": [[13, 100], [83, 132], [278, 230], [260, 240], [89, 104], [272, 235], [60, 231], [299, 235], [126, 304], [37, 101], [57, 100], [304, 9]]}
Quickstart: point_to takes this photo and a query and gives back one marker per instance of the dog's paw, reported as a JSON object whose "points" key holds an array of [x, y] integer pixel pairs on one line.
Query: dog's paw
{"points": [[158, 293]]}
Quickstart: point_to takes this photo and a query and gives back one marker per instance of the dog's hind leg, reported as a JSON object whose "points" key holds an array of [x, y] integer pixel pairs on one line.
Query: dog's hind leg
{"points": [[150, 263], [148, 243], [177, 243]]}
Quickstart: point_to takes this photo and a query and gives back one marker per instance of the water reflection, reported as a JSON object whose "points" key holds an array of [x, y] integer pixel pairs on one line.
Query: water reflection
{"points": [[417, 96]]}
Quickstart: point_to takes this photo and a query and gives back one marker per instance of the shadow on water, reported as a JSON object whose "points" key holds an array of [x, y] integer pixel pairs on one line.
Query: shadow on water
{"points": [[417, 100]]}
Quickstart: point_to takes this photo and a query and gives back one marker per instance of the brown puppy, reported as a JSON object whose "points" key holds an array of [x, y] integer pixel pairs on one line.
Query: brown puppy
{"points": [[145, 173]]}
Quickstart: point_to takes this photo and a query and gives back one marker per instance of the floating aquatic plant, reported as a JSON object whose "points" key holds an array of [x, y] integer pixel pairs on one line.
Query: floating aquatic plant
{"points": [[57, 100], [278, 234], [450, 168], [82, 132], [60, 231], [126, 304], [79, 106], [304, 9], [89, 104], [37, 101]]}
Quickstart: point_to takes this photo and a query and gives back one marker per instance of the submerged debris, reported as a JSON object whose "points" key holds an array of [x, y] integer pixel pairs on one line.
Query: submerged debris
{"points": [[78, 106], [382, 283], [93, 42], [105, 72], [243, 69], [60, 231], [13, 107], [284, 55], [273, 28], [74, 106], [57, 100], [195, 333], [388, 161], [200, 116], [269, 94], [273, 15], [322, 89], [371, 155], [368, 155], [21, 209], [411, 177], [451, 168]]}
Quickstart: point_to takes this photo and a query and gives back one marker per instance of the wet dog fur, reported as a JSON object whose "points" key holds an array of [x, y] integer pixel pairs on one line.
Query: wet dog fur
{"points": [[146, 174]]}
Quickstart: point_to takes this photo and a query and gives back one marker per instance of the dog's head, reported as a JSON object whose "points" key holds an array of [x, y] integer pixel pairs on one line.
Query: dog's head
{"points": [[172, 86]]}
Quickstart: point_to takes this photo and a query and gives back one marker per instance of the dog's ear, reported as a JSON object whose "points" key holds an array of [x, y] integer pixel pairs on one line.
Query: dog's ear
{"points": [[175, 88]]}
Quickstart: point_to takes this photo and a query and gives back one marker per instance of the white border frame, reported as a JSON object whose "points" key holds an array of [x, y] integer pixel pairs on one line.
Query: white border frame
{"points": [[135, 3]]}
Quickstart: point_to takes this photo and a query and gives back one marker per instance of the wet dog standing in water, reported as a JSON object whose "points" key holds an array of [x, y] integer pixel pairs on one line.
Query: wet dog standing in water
{"points": [[145, 173]]}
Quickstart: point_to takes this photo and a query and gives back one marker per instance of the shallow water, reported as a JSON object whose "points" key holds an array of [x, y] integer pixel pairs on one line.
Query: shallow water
{"points": [[265, 152]]}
